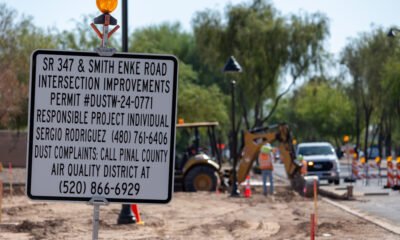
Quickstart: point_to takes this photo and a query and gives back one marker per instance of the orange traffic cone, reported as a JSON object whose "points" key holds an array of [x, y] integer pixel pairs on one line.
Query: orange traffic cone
{"points": [[135, 210], [247, 190]]}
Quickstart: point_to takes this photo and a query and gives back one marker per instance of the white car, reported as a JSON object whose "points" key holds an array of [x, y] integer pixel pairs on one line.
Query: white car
{"points": [[321, 159]]}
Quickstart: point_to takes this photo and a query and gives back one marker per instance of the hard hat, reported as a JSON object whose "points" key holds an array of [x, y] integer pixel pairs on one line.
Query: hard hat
{"points": [[266, 148], [300, 157]]}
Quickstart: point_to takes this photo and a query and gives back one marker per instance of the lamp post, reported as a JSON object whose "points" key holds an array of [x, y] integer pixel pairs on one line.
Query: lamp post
{"points": [[232, 66]]}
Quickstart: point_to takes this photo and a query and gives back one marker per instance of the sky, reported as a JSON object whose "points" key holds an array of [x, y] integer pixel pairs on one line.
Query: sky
{"points": [[348, 18]]}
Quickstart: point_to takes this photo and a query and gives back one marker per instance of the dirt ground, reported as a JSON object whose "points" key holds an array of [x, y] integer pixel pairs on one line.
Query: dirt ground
{"points": [[200, 215]]}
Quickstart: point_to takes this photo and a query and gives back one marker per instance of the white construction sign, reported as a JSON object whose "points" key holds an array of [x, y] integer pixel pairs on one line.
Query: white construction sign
{"points": [[101, 127]]}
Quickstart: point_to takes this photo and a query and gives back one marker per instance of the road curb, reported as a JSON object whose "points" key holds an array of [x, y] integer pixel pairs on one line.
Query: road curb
{"points": [[373, 219], [332, 194], [341, 193], [376, 194]]}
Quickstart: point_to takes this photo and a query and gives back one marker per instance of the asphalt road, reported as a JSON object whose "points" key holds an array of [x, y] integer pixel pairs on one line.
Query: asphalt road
{"points": [[369, 195], [373, 201]]}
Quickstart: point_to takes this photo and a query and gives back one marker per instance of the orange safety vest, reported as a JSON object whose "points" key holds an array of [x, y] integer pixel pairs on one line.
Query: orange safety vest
{"points": [[303, 170], [265, 161]]}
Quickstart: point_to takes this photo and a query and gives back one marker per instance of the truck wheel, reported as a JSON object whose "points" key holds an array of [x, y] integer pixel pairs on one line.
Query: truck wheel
{"points": [[201, 178], [337, 182]]}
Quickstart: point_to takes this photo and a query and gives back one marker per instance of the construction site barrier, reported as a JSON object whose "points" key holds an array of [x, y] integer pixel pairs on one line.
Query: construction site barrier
{"points": [[355, 171], [372, 170], [397, 176], [367, 170], [364, 173], [390, 173]]}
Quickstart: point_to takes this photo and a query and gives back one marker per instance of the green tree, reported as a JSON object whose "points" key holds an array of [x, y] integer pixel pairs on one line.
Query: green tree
{"points": [[18, 39], [269, 47], [391, 99], [365, 58], [322, 111], [165, 38], [195, 102]]}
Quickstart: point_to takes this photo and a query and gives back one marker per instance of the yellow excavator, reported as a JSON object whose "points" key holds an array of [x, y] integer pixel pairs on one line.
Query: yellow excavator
{"points": [[198, 167], [255, 138]]}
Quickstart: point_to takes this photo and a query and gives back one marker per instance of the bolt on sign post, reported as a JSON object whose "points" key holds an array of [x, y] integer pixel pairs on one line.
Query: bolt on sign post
{"points": [[101, 126]]}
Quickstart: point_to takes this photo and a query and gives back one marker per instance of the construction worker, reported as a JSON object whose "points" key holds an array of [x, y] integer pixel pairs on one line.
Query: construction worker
{"points": [[265, 159], [303, 169]]}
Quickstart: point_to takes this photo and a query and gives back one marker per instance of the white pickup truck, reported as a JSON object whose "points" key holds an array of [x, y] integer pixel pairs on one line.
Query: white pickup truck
{"points": [[321, 159]]}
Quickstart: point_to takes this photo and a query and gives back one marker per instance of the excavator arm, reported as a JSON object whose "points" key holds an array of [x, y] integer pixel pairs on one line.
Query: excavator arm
{"points": [[254, 139]]}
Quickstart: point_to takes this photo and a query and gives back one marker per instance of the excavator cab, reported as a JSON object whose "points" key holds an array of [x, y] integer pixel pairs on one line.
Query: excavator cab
{"points": [[197, 158]]}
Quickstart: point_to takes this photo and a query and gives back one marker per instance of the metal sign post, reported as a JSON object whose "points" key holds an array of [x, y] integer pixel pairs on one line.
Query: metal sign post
{"points": [[102, 51], [97, 202]]}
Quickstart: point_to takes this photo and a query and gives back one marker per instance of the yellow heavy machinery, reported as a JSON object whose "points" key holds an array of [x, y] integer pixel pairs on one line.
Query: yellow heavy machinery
{"points": [[197, 158], [280, 134], [199, 167]]}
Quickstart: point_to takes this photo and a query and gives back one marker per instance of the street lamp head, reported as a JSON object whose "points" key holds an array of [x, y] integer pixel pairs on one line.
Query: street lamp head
{"points": [[232, 65], [392, 32]]}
